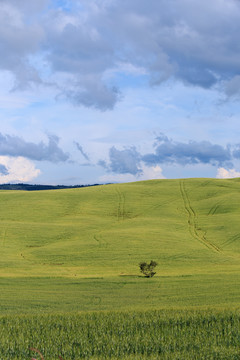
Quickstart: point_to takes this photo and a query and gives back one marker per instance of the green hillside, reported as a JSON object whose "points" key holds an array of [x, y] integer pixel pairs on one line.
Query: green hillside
{"points": [[79, 249]]}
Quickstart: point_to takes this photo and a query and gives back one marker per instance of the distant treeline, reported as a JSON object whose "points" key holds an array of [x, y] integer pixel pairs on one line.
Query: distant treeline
{"points": [[29, 187]]}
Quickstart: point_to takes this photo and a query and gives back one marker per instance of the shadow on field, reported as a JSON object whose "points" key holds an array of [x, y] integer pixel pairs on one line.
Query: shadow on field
{"points": [[131, 276], [134, 276]]}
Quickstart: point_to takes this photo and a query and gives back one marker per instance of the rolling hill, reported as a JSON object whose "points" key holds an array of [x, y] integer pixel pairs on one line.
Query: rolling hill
{"points": [[79, 249]]}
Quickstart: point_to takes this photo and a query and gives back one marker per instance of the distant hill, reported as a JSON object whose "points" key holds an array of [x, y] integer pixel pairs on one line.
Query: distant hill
{"points": [[80, 248], [35, 187]]}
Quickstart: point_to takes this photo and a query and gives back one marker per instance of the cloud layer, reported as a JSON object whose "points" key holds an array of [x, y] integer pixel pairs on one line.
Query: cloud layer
{"points": [[16, 146], [166, 151], [125, 161], [194, 152], [82, 51]]}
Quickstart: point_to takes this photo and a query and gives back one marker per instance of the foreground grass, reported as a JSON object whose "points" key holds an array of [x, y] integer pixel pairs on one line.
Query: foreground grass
{"points": [[162, 334]]}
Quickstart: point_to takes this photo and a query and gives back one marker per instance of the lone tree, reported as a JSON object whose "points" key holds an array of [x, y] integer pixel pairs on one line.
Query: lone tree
{"points": [[147, 269]]}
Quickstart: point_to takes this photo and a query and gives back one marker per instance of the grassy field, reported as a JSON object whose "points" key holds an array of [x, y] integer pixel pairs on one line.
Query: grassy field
{"points": [[79, 249], [70, 282], [165, 335]]}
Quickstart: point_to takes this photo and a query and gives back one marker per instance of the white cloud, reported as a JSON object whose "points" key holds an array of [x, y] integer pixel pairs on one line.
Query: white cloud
{"points": [[148, 173], [227, 174], [17, 169], [112, 41], [153, 172]]}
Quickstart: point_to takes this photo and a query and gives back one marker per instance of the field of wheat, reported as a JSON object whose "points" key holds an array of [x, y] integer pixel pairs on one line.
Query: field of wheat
{"points": [[70, 280]]}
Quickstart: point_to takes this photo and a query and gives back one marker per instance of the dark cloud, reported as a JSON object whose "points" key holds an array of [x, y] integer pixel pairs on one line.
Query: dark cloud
{"points": [[236, 152], [16, 146], [79, 147], [91, 93], [232, 88], [125, 161], [28, 5], [194, 42], [19, 39], [3, 170], [169, 152]]}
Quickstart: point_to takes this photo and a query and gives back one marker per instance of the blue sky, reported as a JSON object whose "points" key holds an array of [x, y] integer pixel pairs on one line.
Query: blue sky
{"points": [[95, 91]]}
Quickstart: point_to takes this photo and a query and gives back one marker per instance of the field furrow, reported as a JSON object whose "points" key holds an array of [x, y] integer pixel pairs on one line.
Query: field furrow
{"points": [[193, 228]]}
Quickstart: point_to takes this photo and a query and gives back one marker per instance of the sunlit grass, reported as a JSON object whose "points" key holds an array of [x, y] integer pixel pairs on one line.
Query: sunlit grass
{"points": [[67, 253], [80, 248]]}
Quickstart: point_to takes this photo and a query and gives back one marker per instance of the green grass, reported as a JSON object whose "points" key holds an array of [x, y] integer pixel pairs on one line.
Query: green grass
{"points": [[36, 295], [182, 335], [71, 286], [80, 248]]}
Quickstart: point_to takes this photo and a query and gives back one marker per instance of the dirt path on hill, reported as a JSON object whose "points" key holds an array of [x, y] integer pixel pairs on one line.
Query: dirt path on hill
{"points": [[196, 232], [121, 213]]}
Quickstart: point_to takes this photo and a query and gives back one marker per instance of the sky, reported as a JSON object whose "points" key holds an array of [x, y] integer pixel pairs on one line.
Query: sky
{"points": [[99, 91]]}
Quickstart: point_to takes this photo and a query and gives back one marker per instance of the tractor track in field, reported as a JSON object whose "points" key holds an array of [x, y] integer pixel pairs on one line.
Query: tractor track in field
{"points": [[234, 238], [213, 209], [121, 212], [121, 215], [193, 228]]}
